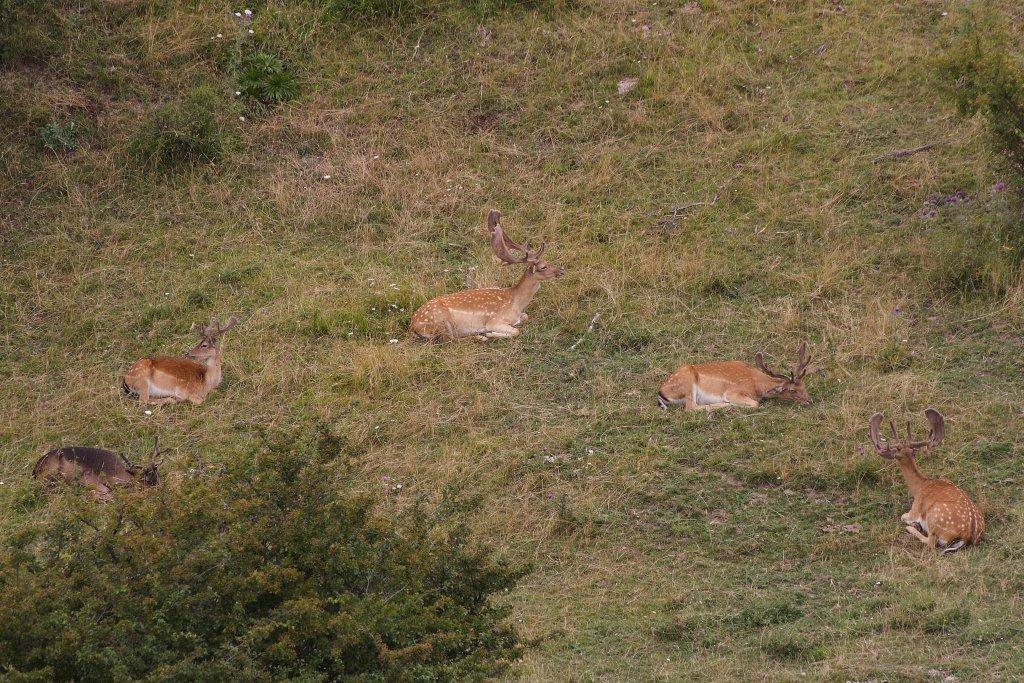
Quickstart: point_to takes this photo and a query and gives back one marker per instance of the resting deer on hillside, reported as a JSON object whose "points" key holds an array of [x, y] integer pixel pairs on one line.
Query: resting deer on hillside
{"points": [[706, 386], [491, 312], [946, 515], [97, 468], [170, 379]]}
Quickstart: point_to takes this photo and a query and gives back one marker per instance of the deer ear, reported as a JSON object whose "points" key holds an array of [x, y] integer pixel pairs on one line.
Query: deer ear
{"points": [[938, 424]]}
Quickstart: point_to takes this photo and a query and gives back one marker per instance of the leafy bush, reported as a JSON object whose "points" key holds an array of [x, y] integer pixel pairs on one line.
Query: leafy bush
{"points": [[268, 571], [986, 79], [183, 132], [60, 137], [263, 79]]}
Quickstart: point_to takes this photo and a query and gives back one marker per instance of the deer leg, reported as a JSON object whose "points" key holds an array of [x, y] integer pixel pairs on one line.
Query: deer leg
{"points": [[101, 491], [738, 399], [163, 401], [919, 536], [953, 547], [503, 331], [708, 406], [522, 320]]}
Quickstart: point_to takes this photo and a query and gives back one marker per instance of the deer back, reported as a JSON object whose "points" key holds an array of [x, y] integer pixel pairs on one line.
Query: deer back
{"points": [[73, 462]]}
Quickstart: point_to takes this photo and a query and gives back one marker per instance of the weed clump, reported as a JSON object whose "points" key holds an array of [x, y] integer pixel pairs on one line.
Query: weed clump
{"points": [[59, 137], [264, 79], [264, 572], [183, 133], [987, 80]]}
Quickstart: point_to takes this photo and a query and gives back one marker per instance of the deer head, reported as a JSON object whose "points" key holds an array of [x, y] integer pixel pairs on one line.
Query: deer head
{"points": [[148, 474], [908, 448], [504, 249], [792, 387], [209, 343]]}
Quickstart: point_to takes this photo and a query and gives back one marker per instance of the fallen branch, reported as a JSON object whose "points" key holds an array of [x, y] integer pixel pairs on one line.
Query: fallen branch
{"points": [[901, 153], [683, 208], [590, 328]]}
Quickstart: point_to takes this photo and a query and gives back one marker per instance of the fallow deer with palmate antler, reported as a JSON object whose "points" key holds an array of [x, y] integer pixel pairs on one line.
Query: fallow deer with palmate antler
{"points": [[171, 379], [942, 515], [491, 312], [706, 386]]}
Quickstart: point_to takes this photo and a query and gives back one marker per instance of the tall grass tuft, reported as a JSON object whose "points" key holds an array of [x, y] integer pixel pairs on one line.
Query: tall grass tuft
{"points": [[182, 133]]}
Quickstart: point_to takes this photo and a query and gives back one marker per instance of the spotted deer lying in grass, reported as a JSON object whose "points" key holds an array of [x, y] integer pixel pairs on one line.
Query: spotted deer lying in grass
{"points": [[171, 379], [97, 468], [706, 386], [491, 312], [942, 515]]}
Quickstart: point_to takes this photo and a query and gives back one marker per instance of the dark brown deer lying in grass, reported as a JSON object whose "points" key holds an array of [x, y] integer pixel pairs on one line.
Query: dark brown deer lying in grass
{"points": [[490, 312], [947, 516], [171, 379], [97, 468]]}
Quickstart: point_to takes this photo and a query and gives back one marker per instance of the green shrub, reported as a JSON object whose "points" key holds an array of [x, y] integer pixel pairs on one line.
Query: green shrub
{"points": [[986, 79], [185, 132], [268, 571], [60, 137], [263, 78]]}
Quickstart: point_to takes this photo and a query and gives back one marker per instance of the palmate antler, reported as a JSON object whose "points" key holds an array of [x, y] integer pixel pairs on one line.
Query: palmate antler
{"points": [[890, 448], [504, 246]]}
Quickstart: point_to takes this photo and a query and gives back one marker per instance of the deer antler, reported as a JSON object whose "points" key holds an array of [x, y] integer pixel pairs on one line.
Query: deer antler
{"points": [[157, 451], [803, 358], [885, 450], [504, 246], [935, 435], [214, 329], [759, 360]]}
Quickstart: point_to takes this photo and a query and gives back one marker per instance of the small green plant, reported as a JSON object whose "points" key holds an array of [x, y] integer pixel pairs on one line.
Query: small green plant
{"points": [[268, 571], [986, 78], [185, 132], [264, 79], [60, 137]]}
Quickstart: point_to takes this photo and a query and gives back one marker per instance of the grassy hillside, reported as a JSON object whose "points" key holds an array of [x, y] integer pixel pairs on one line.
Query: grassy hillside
{"points": [[729, 203]]}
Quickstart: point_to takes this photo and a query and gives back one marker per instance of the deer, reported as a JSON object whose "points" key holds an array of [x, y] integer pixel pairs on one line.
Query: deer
{"points": [[97, 468], [942, 515], [708, 386], [170, 379], [489, 312]]}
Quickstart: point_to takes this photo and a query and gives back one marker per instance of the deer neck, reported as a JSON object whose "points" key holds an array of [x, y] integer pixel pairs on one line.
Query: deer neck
{"points": [[915, 480], [213, 372], [767, 384], [525, 290]]}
